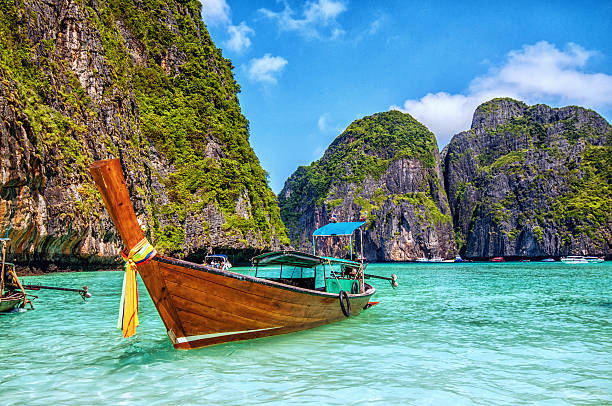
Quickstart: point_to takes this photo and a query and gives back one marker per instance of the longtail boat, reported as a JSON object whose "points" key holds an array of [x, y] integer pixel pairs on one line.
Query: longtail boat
{"points": [[201, 305], [12, 293]]}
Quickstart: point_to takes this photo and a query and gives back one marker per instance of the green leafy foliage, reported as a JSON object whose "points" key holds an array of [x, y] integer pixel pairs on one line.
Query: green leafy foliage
{"points": [[366, 148], [587, 208], [186, 99], [425, 206]]}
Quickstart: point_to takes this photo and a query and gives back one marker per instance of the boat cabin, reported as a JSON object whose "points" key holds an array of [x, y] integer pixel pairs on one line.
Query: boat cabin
{"points": [[310, 271]]}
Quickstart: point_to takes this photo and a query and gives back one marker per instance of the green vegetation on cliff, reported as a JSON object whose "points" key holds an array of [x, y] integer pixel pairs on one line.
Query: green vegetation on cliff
{"points": [[361, 155], [368, 146], [587, 207], [159, 54], [531, 181], [197, 104]]}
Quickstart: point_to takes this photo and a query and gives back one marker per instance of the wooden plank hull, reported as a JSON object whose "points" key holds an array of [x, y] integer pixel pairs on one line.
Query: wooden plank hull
{"points": [[8, 303], [203, 306]]}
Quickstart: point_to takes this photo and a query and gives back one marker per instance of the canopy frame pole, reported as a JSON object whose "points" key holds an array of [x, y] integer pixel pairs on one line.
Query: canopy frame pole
{"points": [[362, 277], [351, 245], [361, 242], [314, 245]]}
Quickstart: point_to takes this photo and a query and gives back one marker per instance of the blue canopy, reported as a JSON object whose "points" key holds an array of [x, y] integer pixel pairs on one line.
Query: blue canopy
{"points": [[338, 229]]}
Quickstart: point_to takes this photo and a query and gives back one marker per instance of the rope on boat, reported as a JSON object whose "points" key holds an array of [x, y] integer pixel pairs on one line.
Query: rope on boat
{"points": [[128, 308]]}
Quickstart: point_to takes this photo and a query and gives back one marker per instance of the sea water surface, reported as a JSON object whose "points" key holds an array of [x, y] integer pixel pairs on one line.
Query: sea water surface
{"points": [[451, 334]]}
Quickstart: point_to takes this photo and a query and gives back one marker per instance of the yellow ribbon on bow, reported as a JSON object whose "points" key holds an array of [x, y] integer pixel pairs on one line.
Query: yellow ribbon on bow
{"points": [[128, 308]]}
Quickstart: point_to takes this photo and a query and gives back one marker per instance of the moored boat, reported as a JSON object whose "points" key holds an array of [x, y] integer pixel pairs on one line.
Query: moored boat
{"points": [[574, 259], [10, 301], [430, 260], [497, 259], [218, 261], [12, 293], [200, 305], [594, 260]]}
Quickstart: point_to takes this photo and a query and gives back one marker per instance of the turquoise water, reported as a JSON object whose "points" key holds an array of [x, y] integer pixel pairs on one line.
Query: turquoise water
{"points": [[451, 334]]}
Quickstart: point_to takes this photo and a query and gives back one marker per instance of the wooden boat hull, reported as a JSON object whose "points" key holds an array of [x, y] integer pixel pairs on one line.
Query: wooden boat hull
{"points": [[8, 303], [203, 306]]}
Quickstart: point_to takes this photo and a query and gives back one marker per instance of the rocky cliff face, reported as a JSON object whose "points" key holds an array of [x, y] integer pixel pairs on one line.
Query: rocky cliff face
{"points": [[82, 81], [388, 165], [531, 181]]}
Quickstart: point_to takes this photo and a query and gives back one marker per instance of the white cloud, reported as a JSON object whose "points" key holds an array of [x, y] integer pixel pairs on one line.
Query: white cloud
{"points": [[315, 16], [266, 69], [375, 25], [444, 114], [538, 73], [323, 122], [216, 12], [239, 39]]}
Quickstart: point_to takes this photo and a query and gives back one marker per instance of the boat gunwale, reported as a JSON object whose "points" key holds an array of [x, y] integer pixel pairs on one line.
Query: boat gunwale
{"points": [[239, 276]]}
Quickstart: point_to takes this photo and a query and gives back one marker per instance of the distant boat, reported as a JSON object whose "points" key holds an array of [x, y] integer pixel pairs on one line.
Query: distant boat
{"points": [[574, 259], [218, 261], [548, 260], [459, 259], [497, 259], [593, 260], [428, 260]]}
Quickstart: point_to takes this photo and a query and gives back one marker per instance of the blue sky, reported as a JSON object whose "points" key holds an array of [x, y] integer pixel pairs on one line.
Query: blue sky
{"points": [[307, 69]]}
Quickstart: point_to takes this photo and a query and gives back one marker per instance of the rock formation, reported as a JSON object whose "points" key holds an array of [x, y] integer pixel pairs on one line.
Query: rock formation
{"points": [[531, 181], [82, 81], [388, 165]]}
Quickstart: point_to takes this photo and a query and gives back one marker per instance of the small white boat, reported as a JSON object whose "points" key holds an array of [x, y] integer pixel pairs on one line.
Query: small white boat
{"points": [[218, 261], [434, 259], [594, 260], [574, 259]]}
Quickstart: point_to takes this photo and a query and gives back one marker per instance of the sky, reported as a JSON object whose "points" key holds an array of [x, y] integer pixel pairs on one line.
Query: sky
{"points": [[307, 69]]}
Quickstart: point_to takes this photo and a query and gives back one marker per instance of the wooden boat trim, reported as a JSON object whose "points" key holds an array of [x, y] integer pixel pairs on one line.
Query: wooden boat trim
{"points": [[242, 277], [182, 340]]}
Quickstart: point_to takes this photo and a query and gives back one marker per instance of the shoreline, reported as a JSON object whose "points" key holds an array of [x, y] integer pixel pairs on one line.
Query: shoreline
{"points": [[25, 270]]}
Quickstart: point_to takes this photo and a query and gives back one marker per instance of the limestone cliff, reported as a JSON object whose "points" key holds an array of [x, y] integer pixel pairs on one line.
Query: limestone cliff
{"points": [[531, 181], [88, 80], [388, 165]]}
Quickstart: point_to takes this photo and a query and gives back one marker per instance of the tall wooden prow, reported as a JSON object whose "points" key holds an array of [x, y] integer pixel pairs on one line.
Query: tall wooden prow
{"points": [[108, 176]]}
